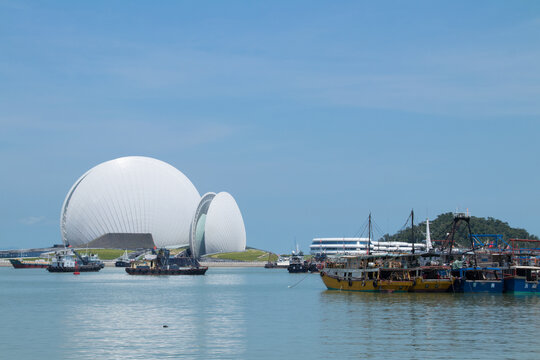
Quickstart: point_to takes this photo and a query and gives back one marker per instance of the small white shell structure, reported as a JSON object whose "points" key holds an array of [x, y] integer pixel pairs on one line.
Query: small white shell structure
{"points": [[217, 226]]}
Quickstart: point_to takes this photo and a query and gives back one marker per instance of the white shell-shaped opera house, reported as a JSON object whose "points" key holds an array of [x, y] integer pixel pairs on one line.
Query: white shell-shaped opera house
{"points": [[217, 226], [140, 202]]}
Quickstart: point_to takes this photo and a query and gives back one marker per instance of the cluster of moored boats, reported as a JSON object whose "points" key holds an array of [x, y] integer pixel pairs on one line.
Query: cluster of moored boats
{"points": [[429, 272], [480, 269], [66, 260], [157, 262]]}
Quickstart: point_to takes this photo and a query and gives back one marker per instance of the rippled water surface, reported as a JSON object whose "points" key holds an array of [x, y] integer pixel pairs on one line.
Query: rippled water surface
{"points": [[251, 313]]}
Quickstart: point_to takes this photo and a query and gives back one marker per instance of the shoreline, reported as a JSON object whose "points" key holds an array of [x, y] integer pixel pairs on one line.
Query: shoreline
{"points": [[210, 264]]}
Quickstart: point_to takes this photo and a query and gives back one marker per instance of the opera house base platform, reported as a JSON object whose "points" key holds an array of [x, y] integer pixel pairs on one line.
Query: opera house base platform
{"points": [[122, 241]]}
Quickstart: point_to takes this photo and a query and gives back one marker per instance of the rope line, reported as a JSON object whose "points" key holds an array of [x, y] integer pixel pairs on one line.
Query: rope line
{"points": [[291, 286]]}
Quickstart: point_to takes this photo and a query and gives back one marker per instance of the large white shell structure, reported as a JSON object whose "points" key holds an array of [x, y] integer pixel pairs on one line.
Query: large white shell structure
{"points": [[129, 196], [217, 226]]}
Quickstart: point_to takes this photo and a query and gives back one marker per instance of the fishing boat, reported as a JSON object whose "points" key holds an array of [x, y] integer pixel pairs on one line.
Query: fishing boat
{"points": [[160, 263], [378, 272], [430, 276], [520, 279], [431, 279], [522, 273], [477, 279], [69, 260], [367, 273], [26, 264], [473, 271]]}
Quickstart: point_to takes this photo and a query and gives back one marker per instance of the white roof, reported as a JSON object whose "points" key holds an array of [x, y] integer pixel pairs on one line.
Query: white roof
{"points": [[224, 229], [130, 195]]}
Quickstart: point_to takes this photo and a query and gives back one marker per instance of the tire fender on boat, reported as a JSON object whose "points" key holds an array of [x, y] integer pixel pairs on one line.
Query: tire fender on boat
{"points": [[322, 273], [375, 283]]}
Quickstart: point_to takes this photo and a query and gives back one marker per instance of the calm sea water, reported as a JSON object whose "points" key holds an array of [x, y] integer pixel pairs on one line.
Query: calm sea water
{"points": [[251, 313]]}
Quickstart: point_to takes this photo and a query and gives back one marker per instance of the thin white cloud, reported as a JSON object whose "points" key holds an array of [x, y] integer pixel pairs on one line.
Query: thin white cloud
{"points": [[32, 220]]}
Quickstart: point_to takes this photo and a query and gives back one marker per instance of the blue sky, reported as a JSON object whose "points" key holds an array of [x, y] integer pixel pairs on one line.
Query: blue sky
{"points": [[310, 113]]}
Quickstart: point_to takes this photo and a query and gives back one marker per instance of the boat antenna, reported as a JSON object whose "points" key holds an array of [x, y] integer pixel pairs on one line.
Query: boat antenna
{"points": [[369, 235], [412, 229]]}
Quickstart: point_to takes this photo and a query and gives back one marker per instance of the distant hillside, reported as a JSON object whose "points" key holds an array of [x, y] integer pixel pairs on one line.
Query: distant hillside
{"points": [[440, 226]]}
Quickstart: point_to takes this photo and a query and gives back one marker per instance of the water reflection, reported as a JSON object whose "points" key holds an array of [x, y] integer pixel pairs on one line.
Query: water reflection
{"points": [[431, 324], [251, 314], [128, 322]]}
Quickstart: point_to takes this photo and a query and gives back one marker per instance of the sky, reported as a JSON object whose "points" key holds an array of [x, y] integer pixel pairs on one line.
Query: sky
{"points": [[312, 114]]}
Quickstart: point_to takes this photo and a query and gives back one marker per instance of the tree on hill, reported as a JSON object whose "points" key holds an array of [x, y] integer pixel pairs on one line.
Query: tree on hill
{"points": [[441, 226]]}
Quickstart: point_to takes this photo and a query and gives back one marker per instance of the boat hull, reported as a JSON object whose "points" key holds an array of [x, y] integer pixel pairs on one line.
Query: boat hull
{"points": [[71, 269], [395, 285], [186, 271], [297, 268], [519, 285], [121, 263], [17, 264], [479, 286], [431, 285], [335, 283]]}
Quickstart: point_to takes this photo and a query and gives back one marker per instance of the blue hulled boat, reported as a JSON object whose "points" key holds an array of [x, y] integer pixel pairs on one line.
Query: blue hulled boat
{"points": [[478, 280], [522, 280]]}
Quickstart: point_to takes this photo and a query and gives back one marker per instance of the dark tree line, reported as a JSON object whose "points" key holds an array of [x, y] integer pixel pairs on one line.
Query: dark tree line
{"points": [[441, 226]]}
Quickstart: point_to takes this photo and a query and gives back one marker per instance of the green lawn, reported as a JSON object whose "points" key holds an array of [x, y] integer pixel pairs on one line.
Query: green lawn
{"points": [[248, 255], [177, 251]]}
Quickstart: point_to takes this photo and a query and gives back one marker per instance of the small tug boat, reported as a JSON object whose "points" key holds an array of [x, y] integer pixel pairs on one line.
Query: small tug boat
{"points": [[160, 263], [123, 261], [22, 264], [297, 264], [71, 261], [92, 259]]}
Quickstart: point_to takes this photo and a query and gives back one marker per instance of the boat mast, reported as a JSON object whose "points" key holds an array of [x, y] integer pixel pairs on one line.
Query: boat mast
{"points": [[369, 235], [412, 229]]}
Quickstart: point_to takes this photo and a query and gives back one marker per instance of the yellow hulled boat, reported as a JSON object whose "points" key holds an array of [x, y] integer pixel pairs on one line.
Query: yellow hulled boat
{"points": [[334, 282], [368, 273], [431, 279]]}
